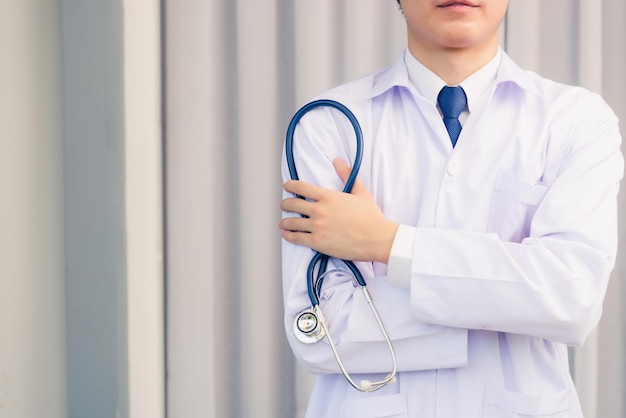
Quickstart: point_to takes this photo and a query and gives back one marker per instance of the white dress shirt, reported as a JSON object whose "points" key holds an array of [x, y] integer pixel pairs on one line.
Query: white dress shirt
{"points": [[503, 254]]}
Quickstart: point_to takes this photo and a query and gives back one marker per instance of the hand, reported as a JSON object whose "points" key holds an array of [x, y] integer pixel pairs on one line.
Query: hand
{"points": [[341, 225]]}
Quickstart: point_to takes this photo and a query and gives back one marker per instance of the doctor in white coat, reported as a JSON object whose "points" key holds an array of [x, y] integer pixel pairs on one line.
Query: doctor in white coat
{"points": [[486, 237]]}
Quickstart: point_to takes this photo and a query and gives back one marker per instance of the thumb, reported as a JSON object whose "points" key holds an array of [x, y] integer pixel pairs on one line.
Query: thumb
{"points": [[344, 170]]}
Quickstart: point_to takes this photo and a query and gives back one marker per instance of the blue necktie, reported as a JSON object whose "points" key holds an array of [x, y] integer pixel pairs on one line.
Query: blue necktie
{"points": [[452, 101]]}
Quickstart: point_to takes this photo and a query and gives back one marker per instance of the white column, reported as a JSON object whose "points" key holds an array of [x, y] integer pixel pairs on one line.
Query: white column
{"points": [[590, 60], [197, 215], [611, 402], [259, 143], [317, 45], [144, 214], [586, 359], [544, 37], [373, 34], [32, 299], [522, 35]]}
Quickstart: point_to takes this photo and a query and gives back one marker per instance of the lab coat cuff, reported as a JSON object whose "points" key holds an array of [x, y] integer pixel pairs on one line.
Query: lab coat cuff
{"points": [[401, 256]]}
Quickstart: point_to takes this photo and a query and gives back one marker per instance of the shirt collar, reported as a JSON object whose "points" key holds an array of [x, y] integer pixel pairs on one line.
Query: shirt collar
{"points": [[428, 84], [505, 71]]}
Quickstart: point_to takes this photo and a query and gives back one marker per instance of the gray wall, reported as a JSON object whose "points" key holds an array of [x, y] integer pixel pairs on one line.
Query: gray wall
{"points": [[93, 156]]}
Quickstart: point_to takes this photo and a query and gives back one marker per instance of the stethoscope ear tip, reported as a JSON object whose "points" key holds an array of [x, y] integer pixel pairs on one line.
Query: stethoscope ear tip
{"points": [[366, 385]]}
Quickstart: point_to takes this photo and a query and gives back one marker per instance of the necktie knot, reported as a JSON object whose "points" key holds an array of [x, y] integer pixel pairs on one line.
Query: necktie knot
{"points": [[452, 101]]}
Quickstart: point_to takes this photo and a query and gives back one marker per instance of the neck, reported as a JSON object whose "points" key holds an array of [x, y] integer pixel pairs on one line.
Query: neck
{"points": [[454, 65]]}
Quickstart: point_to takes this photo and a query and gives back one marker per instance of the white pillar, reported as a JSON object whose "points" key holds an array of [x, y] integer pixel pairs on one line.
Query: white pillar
{"points": [[32, 296], [144, 213], [197, 272], [259, 142]]}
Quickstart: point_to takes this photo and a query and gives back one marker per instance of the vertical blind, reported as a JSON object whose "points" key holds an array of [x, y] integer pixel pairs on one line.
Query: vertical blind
{"points": [[234, 72]]}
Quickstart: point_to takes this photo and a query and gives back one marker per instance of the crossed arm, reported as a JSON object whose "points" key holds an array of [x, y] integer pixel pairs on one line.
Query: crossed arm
{"points": [[347, 226]]}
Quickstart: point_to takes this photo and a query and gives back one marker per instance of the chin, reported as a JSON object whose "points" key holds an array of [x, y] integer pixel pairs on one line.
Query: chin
{"points": [[463, 40], [459, 43]]}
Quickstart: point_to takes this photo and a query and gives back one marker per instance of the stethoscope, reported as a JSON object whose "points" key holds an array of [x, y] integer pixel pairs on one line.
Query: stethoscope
{"points": [[310, 325]]}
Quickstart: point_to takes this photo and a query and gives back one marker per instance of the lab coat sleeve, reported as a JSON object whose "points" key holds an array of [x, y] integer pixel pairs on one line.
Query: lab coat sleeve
{"points": [[321, 136], [552, 283]]}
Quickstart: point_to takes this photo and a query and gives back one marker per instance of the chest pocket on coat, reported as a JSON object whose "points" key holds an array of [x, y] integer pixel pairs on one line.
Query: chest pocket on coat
{"points": [[502, 403], [513, 205], [392, 406]]}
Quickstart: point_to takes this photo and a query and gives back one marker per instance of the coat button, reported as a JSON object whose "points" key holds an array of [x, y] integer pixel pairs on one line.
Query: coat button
{"points": [[453, 168]]}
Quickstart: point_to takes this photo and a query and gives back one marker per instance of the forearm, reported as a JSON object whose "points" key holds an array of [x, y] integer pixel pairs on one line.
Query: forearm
{"points": [[542, 287], [419, 346]]}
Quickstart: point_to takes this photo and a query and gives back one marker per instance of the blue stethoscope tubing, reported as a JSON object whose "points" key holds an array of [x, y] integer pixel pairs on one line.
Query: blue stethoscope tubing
{"points": [[314, 286], [317, 268]]}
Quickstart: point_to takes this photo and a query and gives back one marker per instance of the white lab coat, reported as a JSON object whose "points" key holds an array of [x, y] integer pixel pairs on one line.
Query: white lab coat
{"points": [[502, 259]]}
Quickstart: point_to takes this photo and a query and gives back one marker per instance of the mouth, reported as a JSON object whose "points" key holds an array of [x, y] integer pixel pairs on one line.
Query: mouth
{"points": [[453, 3]]}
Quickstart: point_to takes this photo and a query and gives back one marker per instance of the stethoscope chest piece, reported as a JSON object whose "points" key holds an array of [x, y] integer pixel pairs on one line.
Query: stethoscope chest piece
{"points": [[307, 327]]}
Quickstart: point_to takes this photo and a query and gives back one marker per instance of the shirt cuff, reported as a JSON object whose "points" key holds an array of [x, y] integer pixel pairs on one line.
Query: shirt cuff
{"points": [[401, 256]]}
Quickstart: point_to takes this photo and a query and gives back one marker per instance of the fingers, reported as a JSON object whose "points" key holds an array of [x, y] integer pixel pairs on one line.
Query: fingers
{"points": [[313, 192], [302, 188], [298, 238], [350, 226], [296, 224], [295, 205]]}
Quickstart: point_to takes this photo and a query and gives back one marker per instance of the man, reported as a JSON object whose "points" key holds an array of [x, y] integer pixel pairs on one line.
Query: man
{"points": [[486, 238]]}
